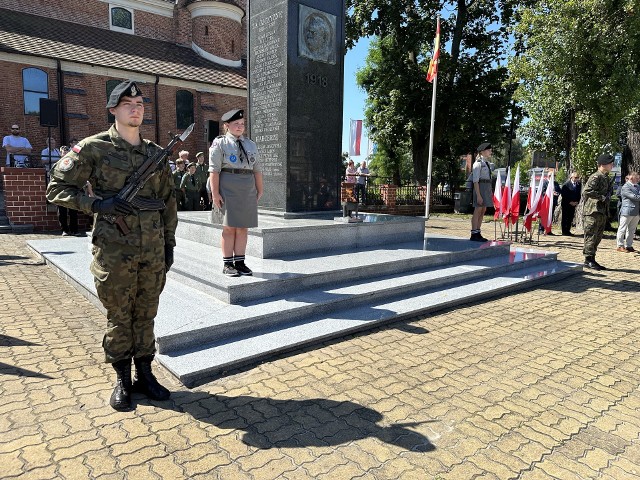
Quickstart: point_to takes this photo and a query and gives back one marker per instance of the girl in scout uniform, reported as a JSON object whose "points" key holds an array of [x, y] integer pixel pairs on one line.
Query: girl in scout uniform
{"points": [[482, 192], [235, 176]]}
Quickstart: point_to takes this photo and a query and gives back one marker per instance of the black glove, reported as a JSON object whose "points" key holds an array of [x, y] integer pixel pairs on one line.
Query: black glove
{"points": [[112, 206], [168, 257]]}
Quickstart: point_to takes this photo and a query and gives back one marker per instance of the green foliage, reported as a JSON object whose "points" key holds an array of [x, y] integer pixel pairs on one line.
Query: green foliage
{"points": [[472, 101], [578, 77]]}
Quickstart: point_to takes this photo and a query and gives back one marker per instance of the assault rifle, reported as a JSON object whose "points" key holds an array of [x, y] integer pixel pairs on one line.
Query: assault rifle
{"points": [[135, 183]]}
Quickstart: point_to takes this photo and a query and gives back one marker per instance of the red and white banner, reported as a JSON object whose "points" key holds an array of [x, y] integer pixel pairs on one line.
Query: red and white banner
{"points": [[355, 137], [546, 208], [534, 207], [497, 198], [515, 198], [506, 198]]}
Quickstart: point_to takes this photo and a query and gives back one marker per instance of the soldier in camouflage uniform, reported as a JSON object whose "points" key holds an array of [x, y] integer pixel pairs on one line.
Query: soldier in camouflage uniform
{"points": [[190, 186], [129, 270], [596, 194], [202, 170]]}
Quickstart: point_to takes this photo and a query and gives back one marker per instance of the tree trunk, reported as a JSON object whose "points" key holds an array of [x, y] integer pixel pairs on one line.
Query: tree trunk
{"points": [[420, 156], [631, 154]]}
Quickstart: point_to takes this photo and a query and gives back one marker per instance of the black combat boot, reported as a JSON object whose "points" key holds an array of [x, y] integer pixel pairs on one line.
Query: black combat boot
{"points": [[121, 397], [145, 382]]}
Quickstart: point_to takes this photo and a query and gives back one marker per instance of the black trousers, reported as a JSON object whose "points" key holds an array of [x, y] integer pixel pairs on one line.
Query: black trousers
{"points": [[568, 212], [68, 220]]}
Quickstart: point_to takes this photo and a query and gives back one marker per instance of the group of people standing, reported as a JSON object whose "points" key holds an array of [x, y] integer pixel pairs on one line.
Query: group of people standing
{"points": [[358, 176], [190, 183]]}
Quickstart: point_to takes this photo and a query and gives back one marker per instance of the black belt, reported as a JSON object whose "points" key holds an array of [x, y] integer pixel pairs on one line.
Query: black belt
{"points": [[484, 180], [241, 171]]}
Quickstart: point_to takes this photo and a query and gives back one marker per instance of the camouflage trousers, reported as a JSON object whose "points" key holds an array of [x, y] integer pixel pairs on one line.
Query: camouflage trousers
{"points": [[129, 281], [593, 226]]}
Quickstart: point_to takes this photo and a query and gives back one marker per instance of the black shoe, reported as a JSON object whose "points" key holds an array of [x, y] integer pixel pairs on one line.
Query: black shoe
{"points": [[145, 382], [230, 271], [591, 263], [121, 397], [476, 237], [567, 234], [242, 269]]}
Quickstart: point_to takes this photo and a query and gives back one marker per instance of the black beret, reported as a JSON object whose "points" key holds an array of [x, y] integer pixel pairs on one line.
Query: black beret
{"points": [[128, 88], [484, 146], [232, 115], [605, 159]]}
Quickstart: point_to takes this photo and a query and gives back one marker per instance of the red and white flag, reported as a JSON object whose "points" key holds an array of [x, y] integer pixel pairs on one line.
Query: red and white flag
{"points": [[534, 207], [355, 137], [546, 208], [497, 199], [515, 198], [532, 191], [506, 198], [433, 64]]}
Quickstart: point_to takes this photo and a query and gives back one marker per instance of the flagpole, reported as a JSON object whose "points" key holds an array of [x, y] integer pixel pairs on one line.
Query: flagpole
{"points": [[433, 121]]}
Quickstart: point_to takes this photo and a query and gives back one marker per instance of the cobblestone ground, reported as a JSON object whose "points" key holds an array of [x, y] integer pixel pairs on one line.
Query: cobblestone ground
{"points": [[537, 385]]}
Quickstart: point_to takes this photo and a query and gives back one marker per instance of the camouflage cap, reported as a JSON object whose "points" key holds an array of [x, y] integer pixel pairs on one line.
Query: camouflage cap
{"points": [[128, 88]]}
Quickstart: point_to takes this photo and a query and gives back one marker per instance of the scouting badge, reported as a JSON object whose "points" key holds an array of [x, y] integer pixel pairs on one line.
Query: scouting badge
{"points": [[252, 160], [65, 164], [233, 159]]}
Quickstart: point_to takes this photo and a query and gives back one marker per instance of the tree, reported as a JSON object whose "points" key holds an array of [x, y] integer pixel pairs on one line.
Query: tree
{"points": [[578, 81], [472, 100]]}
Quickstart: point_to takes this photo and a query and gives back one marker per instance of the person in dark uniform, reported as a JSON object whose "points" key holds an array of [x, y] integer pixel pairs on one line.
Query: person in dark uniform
{"points": [[129, 269], [202, 171], [190, 187], [178, 173], [236, 186], [482, 193], [596, 195], [571, 191]]}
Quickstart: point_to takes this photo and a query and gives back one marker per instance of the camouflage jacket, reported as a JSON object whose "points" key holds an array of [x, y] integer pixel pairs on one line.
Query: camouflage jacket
{"points": [[596, 194], [202, 171], [188, 186], [107, 161]]}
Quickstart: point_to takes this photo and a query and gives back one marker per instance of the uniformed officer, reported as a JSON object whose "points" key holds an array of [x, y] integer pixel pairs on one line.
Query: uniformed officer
{"points": [[178, 174], [190, 186], [482, 194], [129, 270], [595, 195], [202, 171], [236, 186]]}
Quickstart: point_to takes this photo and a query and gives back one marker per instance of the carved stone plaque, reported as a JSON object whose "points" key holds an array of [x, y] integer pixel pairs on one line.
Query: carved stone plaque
{"points": [[317, 35]]}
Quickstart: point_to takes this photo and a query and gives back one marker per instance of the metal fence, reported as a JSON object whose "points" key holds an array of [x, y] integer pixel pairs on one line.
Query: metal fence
{"points": [[407, 193]]}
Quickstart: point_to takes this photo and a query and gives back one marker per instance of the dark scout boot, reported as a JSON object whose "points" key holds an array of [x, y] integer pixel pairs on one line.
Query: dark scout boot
{"points": [[145, 382], [121, 397]]}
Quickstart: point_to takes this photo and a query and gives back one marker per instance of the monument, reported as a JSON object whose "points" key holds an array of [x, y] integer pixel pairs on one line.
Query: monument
{"points": [[295, 101]]}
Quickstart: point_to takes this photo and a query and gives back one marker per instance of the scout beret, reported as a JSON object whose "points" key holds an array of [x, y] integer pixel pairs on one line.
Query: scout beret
{"points": [[605, 159], [191, 164], [484, 146], [232, 115], [128, 88], [199, 153]]}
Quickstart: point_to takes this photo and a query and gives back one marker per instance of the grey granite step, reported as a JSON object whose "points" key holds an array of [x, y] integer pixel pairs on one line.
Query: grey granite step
{"points": [[194, 365], [234, 320], [200, 266]]}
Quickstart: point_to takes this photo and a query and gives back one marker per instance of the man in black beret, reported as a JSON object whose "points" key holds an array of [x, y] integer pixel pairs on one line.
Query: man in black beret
{"points": [[129, 269], [596, 195]]}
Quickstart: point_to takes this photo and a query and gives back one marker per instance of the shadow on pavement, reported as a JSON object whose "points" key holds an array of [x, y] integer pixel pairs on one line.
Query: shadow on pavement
{"points": [[270, 423], [7, 341], [6, 369]]}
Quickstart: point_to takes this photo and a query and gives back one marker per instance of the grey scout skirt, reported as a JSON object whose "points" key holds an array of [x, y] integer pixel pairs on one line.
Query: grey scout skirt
{"points": [[240, 208], [487, 195]]}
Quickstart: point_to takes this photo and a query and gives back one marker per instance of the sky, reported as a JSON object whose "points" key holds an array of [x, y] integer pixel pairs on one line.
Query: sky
{"points": [[354, 97]]}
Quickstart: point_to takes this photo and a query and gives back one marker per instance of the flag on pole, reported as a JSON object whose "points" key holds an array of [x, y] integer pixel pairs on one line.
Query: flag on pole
{"points": [[433, 64], [534, 209], [546, 208], [497, 198], [355, 137], [532, 191], [515, 198], [506, 198]]}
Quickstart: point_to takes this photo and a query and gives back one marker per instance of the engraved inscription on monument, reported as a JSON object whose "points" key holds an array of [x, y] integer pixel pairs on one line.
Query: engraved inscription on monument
{"points": [[268, 90], [317, 35]]}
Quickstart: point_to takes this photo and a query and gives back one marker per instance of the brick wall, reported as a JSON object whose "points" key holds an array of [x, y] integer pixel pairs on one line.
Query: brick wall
{"points": [[25, 202], [223, 37]]}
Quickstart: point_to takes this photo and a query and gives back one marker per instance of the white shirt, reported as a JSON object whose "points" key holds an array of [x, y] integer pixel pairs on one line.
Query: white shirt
{"points": [[16, 141], [44, 156]]}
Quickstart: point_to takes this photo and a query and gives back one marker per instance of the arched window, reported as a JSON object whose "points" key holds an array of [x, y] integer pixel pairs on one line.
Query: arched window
{"points": [[184, 109], [111, 84], [35, 85], [121, 19]]}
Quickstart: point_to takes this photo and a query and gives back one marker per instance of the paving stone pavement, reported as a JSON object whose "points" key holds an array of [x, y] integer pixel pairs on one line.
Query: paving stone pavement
{"points": [[541, 384]]}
